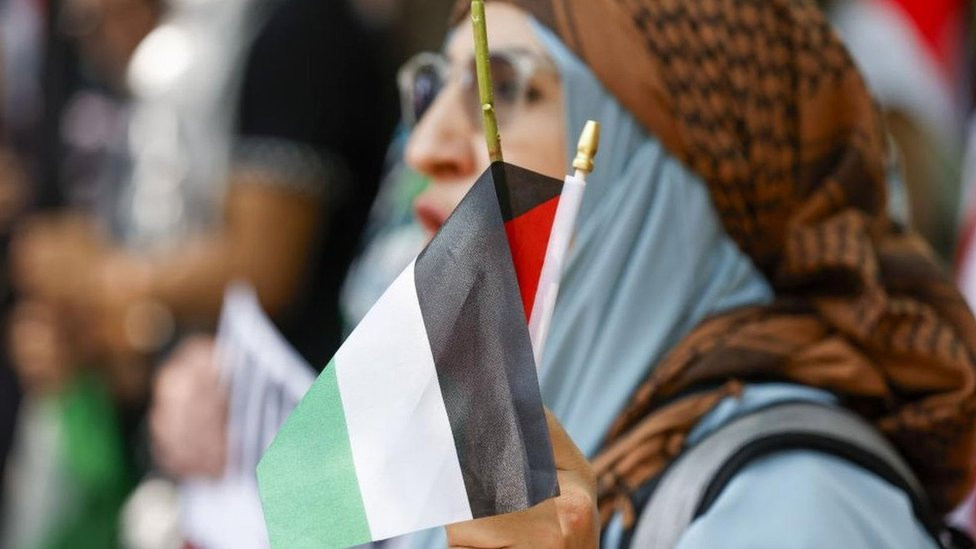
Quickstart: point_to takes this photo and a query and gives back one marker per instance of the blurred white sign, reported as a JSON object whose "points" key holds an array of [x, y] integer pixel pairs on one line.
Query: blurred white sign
{"points": [[266, 378]]}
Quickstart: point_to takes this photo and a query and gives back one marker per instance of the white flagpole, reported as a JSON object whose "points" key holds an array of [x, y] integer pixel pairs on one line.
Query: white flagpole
{"points": [[560, 239]]}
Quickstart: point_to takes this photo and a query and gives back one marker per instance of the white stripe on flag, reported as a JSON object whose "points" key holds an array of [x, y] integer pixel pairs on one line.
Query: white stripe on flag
{"points": [[402, 445], [557, 252]]}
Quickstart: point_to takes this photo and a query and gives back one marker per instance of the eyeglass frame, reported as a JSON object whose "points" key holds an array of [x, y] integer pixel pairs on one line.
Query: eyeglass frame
{"points": [[525, 62]]}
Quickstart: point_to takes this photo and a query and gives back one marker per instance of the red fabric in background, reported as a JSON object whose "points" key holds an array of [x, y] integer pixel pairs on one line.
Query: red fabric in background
{"points": [[941, 25]]}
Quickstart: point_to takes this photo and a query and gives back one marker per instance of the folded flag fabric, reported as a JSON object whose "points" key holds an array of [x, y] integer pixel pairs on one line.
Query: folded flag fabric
{"points": [[430, 412]]}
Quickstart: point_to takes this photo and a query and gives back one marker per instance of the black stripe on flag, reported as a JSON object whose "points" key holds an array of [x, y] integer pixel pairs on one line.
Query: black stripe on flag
{"points": [[519, 190], [472, 310]]}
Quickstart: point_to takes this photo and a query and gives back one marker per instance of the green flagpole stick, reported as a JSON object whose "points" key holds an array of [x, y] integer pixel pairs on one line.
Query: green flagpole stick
{"points": [[483, 68]]}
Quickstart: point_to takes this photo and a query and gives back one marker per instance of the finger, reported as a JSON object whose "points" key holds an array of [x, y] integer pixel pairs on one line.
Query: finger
{"points": [[568, 457], [169, 449], [161, 446], [537, 524], [197, 345], [565, 452], [577, 511], [188, 417], [198, 354], [190, 364], [576, 504]]}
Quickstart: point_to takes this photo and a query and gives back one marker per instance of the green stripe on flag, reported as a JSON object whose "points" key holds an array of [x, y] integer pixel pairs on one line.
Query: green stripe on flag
{"points": [[315, 458]]}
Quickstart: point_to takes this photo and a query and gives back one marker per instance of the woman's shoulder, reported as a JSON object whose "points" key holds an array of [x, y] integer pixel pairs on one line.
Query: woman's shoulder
{"points": [[800, 498], [752, 398], [803, 498]]}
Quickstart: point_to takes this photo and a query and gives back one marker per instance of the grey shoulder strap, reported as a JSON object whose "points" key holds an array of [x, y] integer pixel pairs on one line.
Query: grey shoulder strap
{"points": [[681, 490]]}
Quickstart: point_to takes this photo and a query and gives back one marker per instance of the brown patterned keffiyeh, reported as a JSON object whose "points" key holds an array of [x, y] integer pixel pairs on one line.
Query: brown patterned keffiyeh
{"points": [[760, 98]]}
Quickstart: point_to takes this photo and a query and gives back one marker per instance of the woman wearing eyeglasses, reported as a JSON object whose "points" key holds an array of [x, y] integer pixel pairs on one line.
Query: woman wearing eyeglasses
{"points": [[732, 255]]}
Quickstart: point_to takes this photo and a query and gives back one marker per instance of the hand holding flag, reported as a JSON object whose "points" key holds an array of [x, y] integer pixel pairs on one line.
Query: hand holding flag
{"points": [[568, 521]]}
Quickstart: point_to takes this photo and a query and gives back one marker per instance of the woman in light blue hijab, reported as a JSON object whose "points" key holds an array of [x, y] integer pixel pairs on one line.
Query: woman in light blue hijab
{"points": [[650, 262]]}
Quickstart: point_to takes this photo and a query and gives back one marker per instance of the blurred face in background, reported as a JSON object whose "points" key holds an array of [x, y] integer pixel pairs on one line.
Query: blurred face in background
{"points": [[108, 31], [440, 97]]}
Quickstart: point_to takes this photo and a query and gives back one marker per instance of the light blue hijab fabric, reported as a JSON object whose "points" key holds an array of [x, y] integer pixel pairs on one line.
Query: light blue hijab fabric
{"points": [[650, 261]]}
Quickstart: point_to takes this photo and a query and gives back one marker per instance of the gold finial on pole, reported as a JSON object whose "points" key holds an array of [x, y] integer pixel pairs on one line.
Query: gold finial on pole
{"points": [[483, 69], [586, 149]]}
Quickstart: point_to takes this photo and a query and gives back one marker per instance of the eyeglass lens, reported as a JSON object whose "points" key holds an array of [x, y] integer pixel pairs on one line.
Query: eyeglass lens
{"points": [[428, 81]]}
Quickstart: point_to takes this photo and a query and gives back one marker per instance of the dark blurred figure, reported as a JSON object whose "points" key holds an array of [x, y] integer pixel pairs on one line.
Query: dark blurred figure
{"points": [[21, 51], [253, 159], [63, 67], [58, 157], [280, 202], [315, 114]]}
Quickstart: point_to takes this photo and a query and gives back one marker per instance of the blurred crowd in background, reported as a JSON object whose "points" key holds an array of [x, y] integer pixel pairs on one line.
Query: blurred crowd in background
{"points": [[151, 151]]}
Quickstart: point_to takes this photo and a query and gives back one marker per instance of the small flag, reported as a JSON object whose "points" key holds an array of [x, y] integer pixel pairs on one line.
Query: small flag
{"points": [[430, 412]]}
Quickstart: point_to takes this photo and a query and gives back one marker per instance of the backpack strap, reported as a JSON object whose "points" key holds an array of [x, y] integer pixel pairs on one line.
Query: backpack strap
{"points": [[688, 488]]}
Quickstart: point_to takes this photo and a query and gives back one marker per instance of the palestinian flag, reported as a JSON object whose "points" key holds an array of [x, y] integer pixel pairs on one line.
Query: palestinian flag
{"points": [[430, 412]]}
